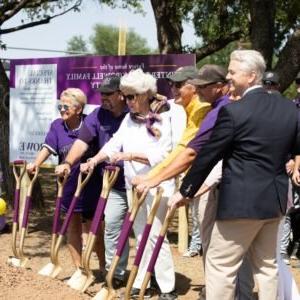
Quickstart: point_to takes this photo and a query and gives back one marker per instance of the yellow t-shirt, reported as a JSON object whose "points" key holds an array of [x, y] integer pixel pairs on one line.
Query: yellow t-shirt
{"points": [[196, 112]]}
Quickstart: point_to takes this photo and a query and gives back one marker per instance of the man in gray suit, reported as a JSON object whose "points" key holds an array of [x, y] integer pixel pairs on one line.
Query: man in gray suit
{"points": [[254, 137]]}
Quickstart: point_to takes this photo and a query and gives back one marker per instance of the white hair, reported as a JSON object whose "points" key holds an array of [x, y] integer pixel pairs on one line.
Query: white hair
{"points": [[136, 81], [76, 95], [251, 61]]}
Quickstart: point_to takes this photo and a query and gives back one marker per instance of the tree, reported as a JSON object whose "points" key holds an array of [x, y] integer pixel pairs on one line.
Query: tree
{"points": [[104, 41], [38, 12], [269, 26]]}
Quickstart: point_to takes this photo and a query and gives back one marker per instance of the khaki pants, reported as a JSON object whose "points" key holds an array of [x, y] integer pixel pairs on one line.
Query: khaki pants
{"points": [[230, 241]]}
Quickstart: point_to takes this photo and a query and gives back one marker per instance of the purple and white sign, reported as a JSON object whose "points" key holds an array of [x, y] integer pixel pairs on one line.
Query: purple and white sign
{"points": [[35, 84]]}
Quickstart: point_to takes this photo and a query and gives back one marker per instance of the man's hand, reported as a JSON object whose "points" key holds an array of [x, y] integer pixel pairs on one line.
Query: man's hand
{"points": [[147, 185], [136, 180], [289, 166], [88, 166], [177, 200], [31, 168], [296, 177], [63, 169]]}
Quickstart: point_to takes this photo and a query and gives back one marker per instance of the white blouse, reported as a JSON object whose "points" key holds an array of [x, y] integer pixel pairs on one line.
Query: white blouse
{"points": [[134, 137]]}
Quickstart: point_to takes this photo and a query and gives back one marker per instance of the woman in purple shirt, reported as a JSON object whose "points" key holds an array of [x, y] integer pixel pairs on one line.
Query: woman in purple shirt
{"points": [[62, 134]]}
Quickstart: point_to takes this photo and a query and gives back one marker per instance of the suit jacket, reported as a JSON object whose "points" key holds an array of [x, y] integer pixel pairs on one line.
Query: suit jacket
{"points": [[254, 137]]}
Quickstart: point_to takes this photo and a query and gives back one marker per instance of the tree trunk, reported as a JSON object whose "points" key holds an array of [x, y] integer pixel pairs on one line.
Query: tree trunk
{"points": [[169, 26], [4, 136], [262, 28], [288, 64]]}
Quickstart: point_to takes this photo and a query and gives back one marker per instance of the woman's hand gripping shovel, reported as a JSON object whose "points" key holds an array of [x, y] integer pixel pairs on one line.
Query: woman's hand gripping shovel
{"points": [[158, 244], [108, 292], [85, 279], [80, 185], [141, 248], [50, 267], [19, 259]]}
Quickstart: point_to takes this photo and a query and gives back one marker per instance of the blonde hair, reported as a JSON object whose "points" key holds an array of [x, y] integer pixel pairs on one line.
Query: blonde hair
{"points": [[76, 95], [138, 82], [251, 61]]}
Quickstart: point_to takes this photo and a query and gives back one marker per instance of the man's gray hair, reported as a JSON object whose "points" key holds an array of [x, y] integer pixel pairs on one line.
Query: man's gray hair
{"points": [[251, 61], [138, 82]]}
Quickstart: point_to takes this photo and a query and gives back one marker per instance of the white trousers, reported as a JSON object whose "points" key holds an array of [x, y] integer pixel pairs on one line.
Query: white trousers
{"points": [[164, 267]]}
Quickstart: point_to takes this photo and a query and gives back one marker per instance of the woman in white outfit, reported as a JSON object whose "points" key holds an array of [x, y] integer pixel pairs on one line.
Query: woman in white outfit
{"points": [[142, 141]]}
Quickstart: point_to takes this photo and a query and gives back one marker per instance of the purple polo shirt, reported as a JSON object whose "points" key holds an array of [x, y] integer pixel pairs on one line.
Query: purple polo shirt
{"points": [[58, 141], [207, 125], [98, 127]]}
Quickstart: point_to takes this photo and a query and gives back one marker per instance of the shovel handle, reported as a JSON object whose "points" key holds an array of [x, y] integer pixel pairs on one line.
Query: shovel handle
{"points": [[126, 227], [19, 176], [32, 180], [16, 205], [98, 215], [61, 181], [81, 182], [160, 239], [147, 229], [67, 219], [109, 178], [26, 211], [55, 226]]}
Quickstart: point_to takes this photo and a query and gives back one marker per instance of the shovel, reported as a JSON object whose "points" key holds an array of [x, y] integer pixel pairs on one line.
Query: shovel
{"points": [[108, 292], [141, 248], [156, 250], [86, 277], [56, 269], [19, 259], [48, 269]]}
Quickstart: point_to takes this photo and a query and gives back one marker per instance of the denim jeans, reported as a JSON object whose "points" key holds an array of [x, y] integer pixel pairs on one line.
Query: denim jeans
{"points": [[115, 212], [196, 241]]}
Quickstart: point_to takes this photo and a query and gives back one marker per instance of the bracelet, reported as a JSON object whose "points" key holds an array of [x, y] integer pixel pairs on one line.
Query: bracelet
{"points": [[67, 163]]}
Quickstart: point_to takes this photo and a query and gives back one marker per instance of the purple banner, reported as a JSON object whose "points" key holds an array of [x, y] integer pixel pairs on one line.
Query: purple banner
{"points": [[87, 73]]}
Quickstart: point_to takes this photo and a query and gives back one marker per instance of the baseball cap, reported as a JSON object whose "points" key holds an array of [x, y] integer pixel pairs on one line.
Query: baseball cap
{"points": [[209, 74], [110, 85], [270, 78], [183, 74]]}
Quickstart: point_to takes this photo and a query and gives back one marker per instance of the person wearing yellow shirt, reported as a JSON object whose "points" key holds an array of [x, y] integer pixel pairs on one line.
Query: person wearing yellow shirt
{"points": [[185, 94]]}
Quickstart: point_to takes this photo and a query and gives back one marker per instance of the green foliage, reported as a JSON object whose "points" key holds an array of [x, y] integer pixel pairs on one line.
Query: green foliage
{"points": [[105, 40], [77, 44]]}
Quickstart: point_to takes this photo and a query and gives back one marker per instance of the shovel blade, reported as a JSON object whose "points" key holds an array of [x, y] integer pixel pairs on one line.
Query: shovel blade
{"points": [[49, 269], [102, 294], [80, 281], [17, 262]]}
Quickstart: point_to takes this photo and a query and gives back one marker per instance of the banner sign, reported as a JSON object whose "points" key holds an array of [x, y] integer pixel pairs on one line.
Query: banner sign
{"points": [[35, 86]]}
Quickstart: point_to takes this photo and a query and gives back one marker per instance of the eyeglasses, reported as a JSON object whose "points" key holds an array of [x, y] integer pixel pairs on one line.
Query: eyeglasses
{"points": [[130, 97], [64, 107], [177, 84]]}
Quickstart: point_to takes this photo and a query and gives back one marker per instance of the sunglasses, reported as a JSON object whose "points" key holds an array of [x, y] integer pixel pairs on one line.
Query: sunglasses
{"points": [[64, 107], [106, 94], [130, 97], [177, 85]]}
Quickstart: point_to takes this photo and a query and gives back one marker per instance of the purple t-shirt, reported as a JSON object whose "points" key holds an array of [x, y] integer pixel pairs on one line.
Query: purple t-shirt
{"points": [[59, 140], [207, 125], [97, 129]]}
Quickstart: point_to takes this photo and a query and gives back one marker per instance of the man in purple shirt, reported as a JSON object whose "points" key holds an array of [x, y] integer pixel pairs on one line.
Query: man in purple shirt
{"points": [[97, 129]]}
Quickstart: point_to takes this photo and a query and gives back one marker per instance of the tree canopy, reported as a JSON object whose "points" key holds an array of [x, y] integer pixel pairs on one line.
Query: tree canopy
{"points": [[104, 41]]}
